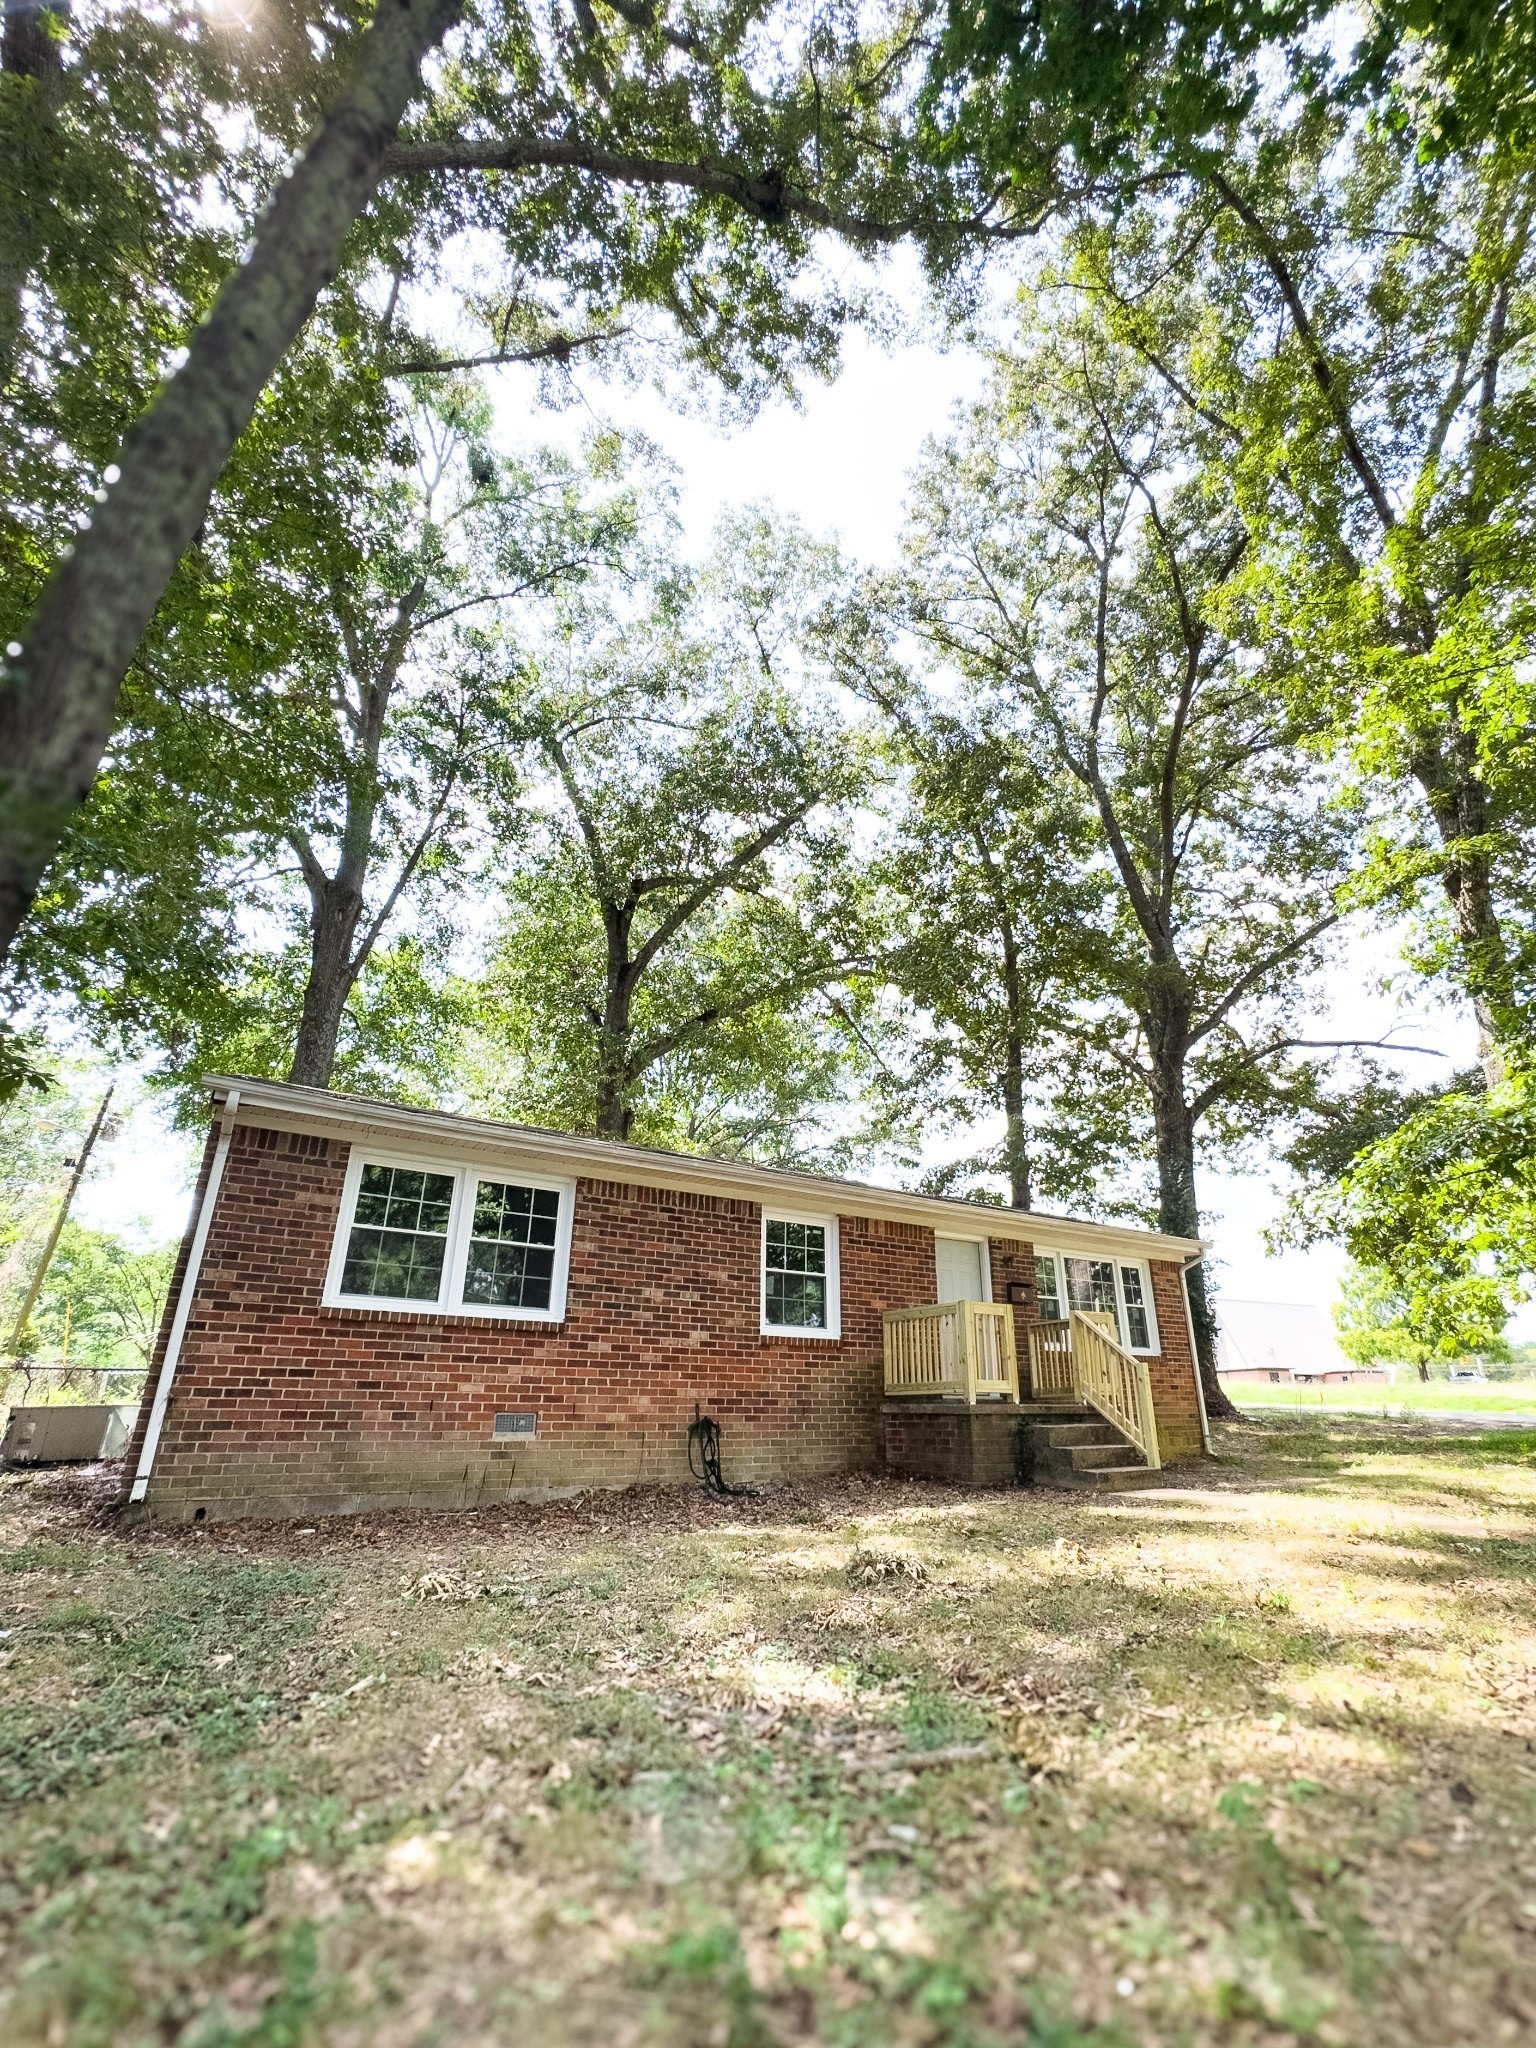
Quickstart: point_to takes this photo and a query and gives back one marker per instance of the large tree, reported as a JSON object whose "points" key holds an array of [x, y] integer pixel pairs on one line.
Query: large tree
{"points": [[61, 672], [395, 600], [1072, 560], [688, 906], [318, 734], [683, 164], [1352, 321], [986, 903], [1365, 329], [624, 152], [1317, 227]]}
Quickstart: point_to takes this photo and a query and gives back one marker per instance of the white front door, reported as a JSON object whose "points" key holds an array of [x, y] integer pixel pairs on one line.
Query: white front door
{"points": [[959, 1263]]}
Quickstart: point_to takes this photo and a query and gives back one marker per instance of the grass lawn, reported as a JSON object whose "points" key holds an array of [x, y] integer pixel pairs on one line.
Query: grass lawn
{"points": [[1493, 1397], [1248, 1760]]}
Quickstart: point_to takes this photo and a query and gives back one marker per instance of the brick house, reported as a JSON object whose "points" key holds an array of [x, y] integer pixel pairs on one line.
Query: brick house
{"points": [[377, 1306]]}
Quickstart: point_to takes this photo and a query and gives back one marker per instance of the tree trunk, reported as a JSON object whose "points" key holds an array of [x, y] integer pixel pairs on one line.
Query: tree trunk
{"points": [[337, 908], [1178, 1212], [57, 696], [336, 958], [31, 47], [615, 1118], [1016, 1141], [1458, 800]]}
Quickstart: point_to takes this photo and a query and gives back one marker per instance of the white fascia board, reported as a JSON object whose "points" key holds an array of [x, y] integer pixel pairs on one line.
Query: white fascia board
{"points": [[285, 1105]]}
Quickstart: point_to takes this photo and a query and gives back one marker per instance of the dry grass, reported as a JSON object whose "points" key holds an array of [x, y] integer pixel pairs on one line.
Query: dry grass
{"points": [[1245, 1761]]}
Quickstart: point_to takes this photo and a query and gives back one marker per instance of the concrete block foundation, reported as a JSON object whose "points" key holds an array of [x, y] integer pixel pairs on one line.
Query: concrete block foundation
{"points": [[954, 1443]]}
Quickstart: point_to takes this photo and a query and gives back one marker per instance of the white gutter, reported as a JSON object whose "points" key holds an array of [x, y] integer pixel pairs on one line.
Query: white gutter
{"points": [[184, 1299], [1194, 1350]]}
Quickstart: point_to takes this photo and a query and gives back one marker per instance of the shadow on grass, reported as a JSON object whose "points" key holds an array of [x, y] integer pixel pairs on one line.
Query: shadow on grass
{"points": [[717, 1738]]}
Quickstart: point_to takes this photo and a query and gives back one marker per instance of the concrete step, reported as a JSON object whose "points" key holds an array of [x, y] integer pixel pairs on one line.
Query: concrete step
{"points": [[1080, 1449], [1115, 1479], [1063, 1472], [1056, 1436], [1051, 1443], [1117, 1456]]}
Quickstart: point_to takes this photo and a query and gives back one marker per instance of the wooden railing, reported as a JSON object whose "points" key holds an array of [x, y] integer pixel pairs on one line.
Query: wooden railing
{"points": [[1050, 1361], [1082, 1359], [963, 1348]]}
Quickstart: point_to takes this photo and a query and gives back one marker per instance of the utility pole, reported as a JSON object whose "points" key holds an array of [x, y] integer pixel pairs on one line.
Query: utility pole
{"points": [[13, 1349]]}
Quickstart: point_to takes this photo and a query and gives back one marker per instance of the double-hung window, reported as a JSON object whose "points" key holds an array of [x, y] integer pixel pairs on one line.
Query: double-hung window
{"points": [[800, 1276], [463, 1240], [1048, 1287], [399, 1236], [1121, 1288]]}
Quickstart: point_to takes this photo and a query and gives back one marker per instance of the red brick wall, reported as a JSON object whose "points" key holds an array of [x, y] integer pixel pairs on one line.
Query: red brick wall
{"points": [[1013, 1258], [1175, 1394], [283, 1406]]}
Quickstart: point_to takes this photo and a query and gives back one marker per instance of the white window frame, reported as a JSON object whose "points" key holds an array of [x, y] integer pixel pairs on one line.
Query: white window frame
{"points": [[1154, 1347], [964, 1237], [834, 1329], [461, 1216]]}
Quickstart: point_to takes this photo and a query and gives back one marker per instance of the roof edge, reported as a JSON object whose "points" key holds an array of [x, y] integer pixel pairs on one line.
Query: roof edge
{"points": [[612, 1159]]}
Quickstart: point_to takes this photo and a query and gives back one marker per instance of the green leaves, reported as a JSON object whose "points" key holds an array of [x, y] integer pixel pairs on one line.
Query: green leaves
{"points": [[1076, 567], [1057, 93], [1349, 329], [103, 1296], [323, 706], [681, 932], [1441, 1214]]}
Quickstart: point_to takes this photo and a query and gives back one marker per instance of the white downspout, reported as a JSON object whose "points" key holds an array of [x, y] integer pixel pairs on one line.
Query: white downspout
{"points": [[184, 1299], [1194, 1349]]}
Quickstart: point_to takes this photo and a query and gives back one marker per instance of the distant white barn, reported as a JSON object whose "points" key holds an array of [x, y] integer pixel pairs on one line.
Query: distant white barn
{"points": [[1280, 1341]]}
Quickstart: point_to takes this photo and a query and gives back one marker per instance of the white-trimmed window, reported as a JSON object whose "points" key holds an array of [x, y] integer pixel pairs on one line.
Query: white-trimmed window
{"points": [[433, 1234], [800, 1276], [1065, 1281]]}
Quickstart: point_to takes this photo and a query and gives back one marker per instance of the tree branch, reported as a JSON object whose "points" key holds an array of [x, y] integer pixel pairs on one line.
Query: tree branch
{"points": [[1214, 1091], [792, 984], [766, 195], [558, 349], [714, 883], [424, 839], [585, 822], [315, 877], [539, 582], [1317, 356], [1256, 973]]}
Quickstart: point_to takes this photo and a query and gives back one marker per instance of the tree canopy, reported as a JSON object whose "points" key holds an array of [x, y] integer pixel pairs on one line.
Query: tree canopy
{"points": [[1076, 563], [685, 910], [349, 733]]}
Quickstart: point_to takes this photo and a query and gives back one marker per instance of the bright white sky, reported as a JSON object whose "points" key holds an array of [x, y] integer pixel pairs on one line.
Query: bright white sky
{"points": [[840, 463]]}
